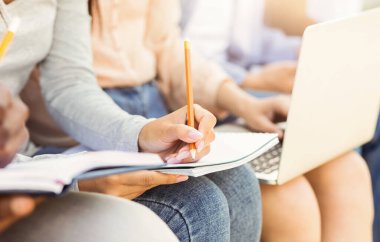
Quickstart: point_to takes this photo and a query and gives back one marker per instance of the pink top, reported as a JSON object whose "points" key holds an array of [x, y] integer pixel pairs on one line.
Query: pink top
{"points": [[135, 42]]}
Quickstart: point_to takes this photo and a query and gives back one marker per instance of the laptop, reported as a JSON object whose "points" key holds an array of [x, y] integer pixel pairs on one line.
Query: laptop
{"points": [[335, 101]]}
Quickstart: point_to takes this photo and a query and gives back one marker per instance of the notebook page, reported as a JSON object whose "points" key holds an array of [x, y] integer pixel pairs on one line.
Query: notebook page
{"points": [[232, 147], [64, 169], [33, 185]]}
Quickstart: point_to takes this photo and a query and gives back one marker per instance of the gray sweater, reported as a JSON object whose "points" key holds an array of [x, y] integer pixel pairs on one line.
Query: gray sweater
{"points": [[55, 34]]}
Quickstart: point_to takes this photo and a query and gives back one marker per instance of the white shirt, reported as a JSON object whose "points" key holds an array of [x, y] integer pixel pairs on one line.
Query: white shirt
{"points": [[233, 31]]}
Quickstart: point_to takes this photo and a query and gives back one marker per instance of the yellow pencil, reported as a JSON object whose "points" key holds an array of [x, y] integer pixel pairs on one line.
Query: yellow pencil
{"points": [[8, 37], [189, 94]]}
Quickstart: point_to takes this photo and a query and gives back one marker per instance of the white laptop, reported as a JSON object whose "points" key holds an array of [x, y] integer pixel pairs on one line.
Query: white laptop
{"points": [[335, 101]]}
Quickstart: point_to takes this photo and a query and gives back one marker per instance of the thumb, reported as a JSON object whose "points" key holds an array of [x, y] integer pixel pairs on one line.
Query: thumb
{"points": [[184, 133], [16, 206]]}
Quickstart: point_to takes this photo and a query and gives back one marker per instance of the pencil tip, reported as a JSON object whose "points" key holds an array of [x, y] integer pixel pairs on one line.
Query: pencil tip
{"points": [[193, 154]]}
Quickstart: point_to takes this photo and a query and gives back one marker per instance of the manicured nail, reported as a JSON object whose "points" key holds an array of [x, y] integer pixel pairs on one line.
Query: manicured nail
{"points": [[183, 149], [200, 146], [183, 155], [173, 161], [182, 178], [169, 157], [195, 135]]}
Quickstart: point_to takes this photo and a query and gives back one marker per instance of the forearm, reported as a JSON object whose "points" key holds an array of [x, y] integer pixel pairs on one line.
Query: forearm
{"points": [[253, 81], [233, 99], [89, 116]]}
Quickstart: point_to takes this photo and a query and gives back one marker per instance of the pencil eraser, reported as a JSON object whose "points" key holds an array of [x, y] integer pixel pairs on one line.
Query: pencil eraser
{"points": [[187, 43]]}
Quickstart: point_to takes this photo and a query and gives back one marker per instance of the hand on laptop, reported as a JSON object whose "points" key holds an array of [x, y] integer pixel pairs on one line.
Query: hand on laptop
{"points": [[275, 77], [13, 208], [264, 114], [169, 136], [13, 133]]}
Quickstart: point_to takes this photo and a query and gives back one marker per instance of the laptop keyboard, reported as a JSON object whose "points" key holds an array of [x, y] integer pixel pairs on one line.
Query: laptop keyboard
{"points": [[269, 161]]}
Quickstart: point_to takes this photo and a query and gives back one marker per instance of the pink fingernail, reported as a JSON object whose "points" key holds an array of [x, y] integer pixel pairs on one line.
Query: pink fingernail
{"points": [[182, 178], [169, 157], [183, 149], [183, 155], [173, 161], [200, 146], [195, 135]]}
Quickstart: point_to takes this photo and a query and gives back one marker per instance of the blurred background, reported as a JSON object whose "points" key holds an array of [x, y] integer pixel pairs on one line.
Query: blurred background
{"points": [[371, 4]]}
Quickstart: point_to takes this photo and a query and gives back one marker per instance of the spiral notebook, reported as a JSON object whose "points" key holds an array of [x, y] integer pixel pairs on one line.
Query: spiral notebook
{"points": [[55, 174]]}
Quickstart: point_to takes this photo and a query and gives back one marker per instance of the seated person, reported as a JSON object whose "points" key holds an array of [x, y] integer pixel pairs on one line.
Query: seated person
{"points": [[238, 36], [74, 217], [132, 55], [55, 35], [257, 42]]}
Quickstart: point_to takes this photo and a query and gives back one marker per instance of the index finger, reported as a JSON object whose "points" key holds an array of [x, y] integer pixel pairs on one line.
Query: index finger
{"points": [[150, 178], [206, 119]]}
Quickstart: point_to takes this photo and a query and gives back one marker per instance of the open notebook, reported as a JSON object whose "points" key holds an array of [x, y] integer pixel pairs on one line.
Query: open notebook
{"points": [[228, 151], [55, 174]]}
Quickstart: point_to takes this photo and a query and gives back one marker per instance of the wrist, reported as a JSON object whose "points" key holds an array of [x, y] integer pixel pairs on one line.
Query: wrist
{"points": [[233, 99], [249, 81], [141, 143], [144, 136], [254, 80]]}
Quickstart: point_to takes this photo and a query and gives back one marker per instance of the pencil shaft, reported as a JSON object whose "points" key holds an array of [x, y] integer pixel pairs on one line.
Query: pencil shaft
{"points": [[189, 90], [5, 43]]}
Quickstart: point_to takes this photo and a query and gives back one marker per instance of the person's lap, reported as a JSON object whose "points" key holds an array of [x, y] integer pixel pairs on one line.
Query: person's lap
{"points": [[228, 202], [78, 217]]}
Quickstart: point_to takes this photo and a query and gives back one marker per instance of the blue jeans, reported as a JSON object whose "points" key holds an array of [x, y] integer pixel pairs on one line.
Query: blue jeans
{"points": [[371, 152], [224, 206]]}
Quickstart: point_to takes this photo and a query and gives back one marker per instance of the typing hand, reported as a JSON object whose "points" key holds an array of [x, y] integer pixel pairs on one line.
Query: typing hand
{"points": [[130, 185], [13, 133], [13, 208], [169, 136], [263, 114]]}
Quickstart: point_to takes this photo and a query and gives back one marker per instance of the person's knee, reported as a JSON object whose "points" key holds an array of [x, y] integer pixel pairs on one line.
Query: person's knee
{"points": [[291, 212], [355, 179], [249, 196], [196, 210], [350, 165], [242, 190], [250, 212], [350, 173], [355, 166]]}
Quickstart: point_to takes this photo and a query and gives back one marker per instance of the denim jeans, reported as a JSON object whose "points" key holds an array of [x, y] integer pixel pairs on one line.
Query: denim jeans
{"points": [[371, 152], [224, 206]]}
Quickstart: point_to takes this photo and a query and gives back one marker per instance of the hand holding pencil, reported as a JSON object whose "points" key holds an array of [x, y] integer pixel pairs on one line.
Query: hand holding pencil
{"points": [[174, 140]]}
